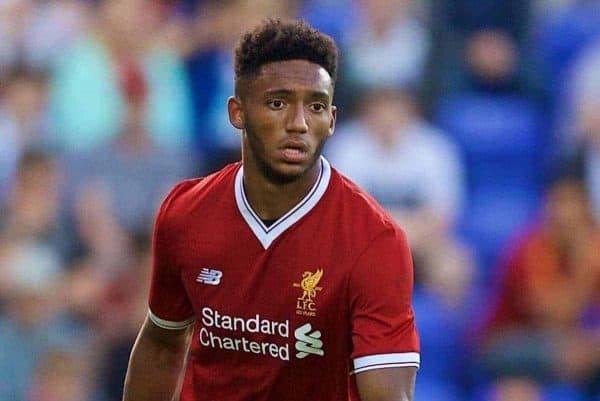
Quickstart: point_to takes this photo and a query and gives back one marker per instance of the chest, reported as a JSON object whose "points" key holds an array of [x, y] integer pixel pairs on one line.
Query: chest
{"points": [[284, 303], [298, 278], [289, 281]]}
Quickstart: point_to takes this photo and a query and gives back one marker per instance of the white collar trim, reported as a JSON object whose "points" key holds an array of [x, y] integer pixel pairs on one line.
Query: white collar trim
{"points": [[266, 235]]}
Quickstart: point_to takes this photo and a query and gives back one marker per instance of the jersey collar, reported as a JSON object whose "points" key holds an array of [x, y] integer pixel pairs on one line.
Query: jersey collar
{"points": [[266, 235]]}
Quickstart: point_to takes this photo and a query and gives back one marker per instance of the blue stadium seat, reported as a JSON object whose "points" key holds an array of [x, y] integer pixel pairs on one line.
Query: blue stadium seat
{"points": [[499, 136], [441, 329], [553, 392], [561, 36], [562, 392], [490, 125], [493, 217], [427, 390]]}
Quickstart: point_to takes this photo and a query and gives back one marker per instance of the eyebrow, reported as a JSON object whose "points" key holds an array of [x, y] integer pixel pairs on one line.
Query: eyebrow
{"points": [[288, 92]]}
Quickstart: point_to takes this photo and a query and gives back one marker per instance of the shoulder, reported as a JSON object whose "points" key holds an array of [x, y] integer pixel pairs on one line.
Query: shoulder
{"points": [[359, 213]]}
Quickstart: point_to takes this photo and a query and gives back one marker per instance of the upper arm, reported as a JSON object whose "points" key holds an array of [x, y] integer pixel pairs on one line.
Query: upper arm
{"points": [[170, 307], [392, 384], [384, 334]]}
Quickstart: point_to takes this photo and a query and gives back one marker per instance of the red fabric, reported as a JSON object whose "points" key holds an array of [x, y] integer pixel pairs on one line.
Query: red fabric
{"points": [[537, 272], [133, 82], [362, 307]]}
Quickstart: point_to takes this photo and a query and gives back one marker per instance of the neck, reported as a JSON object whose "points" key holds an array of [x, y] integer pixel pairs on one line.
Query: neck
{"points": [[271, 200]]}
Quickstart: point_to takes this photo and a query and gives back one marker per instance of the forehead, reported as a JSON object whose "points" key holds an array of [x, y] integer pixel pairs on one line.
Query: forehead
{"points": [[293, 75]]}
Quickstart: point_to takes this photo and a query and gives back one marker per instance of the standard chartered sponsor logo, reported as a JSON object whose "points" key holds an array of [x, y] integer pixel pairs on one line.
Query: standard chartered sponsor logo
{"points": [[307, 342], [256, 324]]}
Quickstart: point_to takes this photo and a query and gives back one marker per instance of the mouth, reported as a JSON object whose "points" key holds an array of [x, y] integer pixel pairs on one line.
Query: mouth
{"points": [[294, 152]]}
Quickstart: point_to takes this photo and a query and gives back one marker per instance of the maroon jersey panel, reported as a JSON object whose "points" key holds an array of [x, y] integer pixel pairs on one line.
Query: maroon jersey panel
{"points": [[286, 311]]}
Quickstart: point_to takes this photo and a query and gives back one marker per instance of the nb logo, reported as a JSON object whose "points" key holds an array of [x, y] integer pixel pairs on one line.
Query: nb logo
{"points": [[308, 343], [209, 276]]}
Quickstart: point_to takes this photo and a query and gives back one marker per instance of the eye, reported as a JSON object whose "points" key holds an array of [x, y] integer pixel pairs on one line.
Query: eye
{"points": [[317, 107], [276, 104]]}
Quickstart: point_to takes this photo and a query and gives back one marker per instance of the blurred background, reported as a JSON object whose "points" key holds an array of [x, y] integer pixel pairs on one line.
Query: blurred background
{"points": [[476, 123]]}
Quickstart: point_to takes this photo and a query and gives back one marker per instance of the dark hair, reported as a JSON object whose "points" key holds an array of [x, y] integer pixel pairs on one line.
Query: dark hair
{"points": [[276, 40], [20, 73], [36, 158]]}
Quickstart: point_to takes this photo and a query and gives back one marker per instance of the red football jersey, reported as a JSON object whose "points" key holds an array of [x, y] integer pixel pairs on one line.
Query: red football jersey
{"points": [[286, 312]]}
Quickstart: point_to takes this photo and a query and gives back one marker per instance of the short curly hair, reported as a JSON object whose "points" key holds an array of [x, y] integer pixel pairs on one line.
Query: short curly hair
{"points": [[276, 40]]}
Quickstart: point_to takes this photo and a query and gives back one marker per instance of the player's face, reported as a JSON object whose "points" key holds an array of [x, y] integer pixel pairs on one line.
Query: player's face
{"points": [[286, 115]]}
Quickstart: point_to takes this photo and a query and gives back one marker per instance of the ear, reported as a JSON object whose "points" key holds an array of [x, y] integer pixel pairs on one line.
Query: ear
{"points": [[235, 110], [332, 120]]}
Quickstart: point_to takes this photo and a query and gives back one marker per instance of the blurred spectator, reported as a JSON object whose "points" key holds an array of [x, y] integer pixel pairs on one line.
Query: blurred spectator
{"points": [[113, 305], [33, 247], [124, 306], [491, 61], [498, 128], [91, 80], [61, 376], [334, 17], [388, 46], [107, 290], [215, 31], [560, 36], [23, 109], [34, 32], [402, 161], [103, 241], [32, 214], [33, 321], [9, 157], [467, 16], [133, 170], [546, 321], [24, 121], [453, 22], [408, 167], [585, 161], [517, 390]]}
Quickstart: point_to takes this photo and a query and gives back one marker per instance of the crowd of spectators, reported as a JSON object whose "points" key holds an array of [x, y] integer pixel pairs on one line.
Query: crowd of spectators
{"points": [[474, 122]]}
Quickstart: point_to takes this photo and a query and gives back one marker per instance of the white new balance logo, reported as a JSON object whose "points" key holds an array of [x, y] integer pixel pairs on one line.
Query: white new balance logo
{"points": [[308, 343], [209, 276]]}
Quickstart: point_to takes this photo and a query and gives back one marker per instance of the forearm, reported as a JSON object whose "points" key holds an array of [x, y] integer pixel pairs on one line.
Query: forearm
{"points": [[155, 368], [391, 384]]}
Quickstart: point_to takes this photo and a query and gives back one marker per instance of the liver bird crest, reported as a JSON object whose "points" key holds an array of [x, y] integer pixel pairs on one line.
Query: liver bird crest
{"points": [[309, 284]]}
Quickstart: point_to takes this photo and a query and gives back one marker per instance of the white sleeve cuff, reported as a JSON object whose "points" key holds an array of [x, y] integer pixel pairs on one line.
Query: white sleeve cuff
{"points": [[382, 361], [170, 325]]}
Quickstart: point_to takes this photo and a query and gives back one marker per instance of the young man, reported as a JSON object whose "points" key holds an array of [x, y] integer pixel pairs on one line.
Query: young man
{"points": [[289, 282]]}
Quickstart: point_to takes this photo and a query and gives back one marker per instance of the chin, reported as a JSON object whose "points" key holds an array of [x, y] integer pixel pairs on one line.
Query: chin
{"points": [[286, 173]]}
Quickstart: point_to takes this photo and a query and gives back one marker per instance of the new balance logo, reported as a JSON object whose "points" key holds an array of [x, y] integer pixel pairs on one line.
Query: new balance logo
{"points": [[209, 276], [308, 343]]}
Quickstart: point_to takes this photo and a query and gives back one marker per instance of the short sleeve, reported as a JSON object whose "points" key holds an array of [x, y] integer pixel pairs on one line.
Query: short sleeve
{"points": [[380, 293], [170, 307]]}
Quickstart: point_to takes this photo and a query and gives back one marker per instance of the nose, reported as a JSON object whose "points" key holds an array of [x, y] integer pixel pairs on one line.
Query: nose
{"points": [[296, 121]]}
